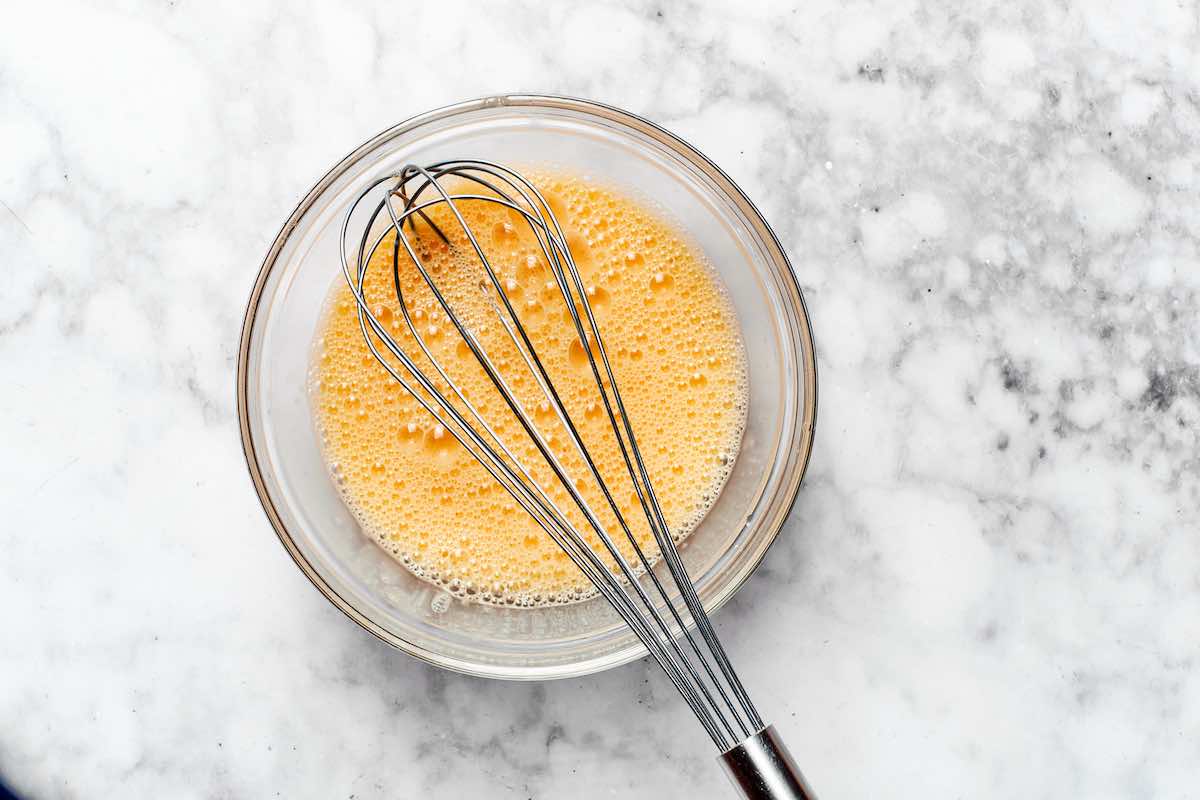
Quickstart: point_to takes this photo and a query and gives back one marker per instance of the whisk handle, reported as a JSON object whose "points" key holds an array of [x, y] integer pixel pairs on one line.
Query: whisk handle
{"points": [[761, 768]]}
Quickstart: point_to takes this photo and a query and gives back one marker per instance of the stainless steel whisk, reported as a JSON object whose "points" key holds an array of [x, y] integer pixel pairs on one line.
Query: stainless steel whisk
{"points": [[752, 754]]}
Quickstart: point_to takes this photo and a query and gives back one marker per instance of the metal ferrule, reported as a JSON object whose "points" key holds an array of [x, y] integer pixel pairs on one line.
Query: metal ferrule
{"points": [[761, 768]]}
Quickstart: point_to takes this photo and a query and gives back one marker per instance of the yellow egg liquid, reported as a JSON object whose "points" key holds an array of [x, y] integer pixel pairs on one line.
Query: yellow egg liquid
{"points": [[671, 335]]}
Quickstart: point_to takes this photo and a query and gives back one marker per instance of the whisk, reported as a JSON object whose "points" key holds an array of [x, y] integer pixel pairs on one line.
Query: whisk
{"points": [[663, 611]]}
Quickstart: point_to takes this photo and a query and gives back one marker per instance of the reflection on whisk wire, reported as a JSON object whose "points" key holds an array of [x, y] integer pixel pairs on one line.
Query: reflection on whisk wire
{"points": [[658, 609]]}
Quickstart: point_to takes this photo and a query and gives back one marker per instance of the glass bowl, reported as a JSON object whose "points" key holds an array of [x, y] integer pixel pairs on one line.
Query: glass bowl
{"points": [[282, 447]]}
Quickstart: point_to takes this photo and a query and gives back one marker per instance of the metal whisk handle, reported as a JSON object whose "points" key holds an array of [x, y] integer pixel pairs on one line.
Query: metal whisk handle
{"points": [[761, 768]]}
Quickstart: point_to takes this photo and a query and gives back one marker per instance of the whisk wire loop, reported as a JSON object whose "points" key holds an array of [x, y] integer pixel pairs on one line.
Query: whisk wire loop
{"points": [[705, 679]]}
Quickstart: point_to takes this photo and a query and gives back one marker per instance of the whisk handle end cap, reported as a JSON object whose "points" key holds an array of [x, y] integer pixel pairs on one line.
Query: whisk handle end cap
{"points": [[761, 768]]}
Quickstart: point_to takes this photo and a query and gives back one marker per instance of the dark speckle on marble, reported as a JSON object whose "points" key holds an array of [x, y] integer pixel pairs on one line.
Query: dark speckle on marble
{"points": [[873, 74], [1015, 379], [1164, 386]]}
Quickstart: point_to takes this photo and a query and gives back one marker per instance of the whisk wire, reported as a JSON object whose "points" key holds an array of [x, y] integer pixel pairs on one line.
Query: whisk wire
{"points": [[529, 354], [541, 508], [621, 587], [556, 252], [660, 529], [548, 517]]}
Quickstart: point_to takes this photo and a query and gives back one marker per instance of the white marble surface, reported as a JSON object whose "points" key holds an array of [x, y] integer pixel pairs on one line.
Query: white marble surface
{"points": [[990, 587]]}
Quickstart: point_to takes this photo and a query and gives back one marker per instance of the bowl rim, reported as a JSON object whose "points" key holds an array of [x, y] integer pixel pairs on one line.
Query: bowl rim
{"points": [[806, 428]]}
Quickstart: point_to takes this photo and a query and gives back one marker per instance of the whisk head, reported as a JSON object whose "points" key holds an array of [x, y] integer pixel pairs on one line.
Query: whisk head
{"points": [[660, 606]]}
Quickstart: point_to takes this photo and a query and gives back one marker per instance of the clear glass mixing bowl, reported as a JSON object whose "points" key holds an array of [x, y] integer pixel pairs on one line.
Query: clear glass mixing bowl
{"points": [[283, 451]]}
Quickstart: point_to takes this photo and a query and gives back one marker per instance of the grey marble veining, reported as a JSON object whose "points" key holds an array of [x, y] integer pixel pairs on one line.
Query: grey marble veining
{"points": [[990, 585]]}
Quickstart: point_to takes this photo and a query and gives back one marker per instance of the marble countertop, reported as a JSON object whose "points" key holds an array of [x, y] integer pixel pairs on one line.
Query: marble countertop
{"points": [[990, 584]]}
